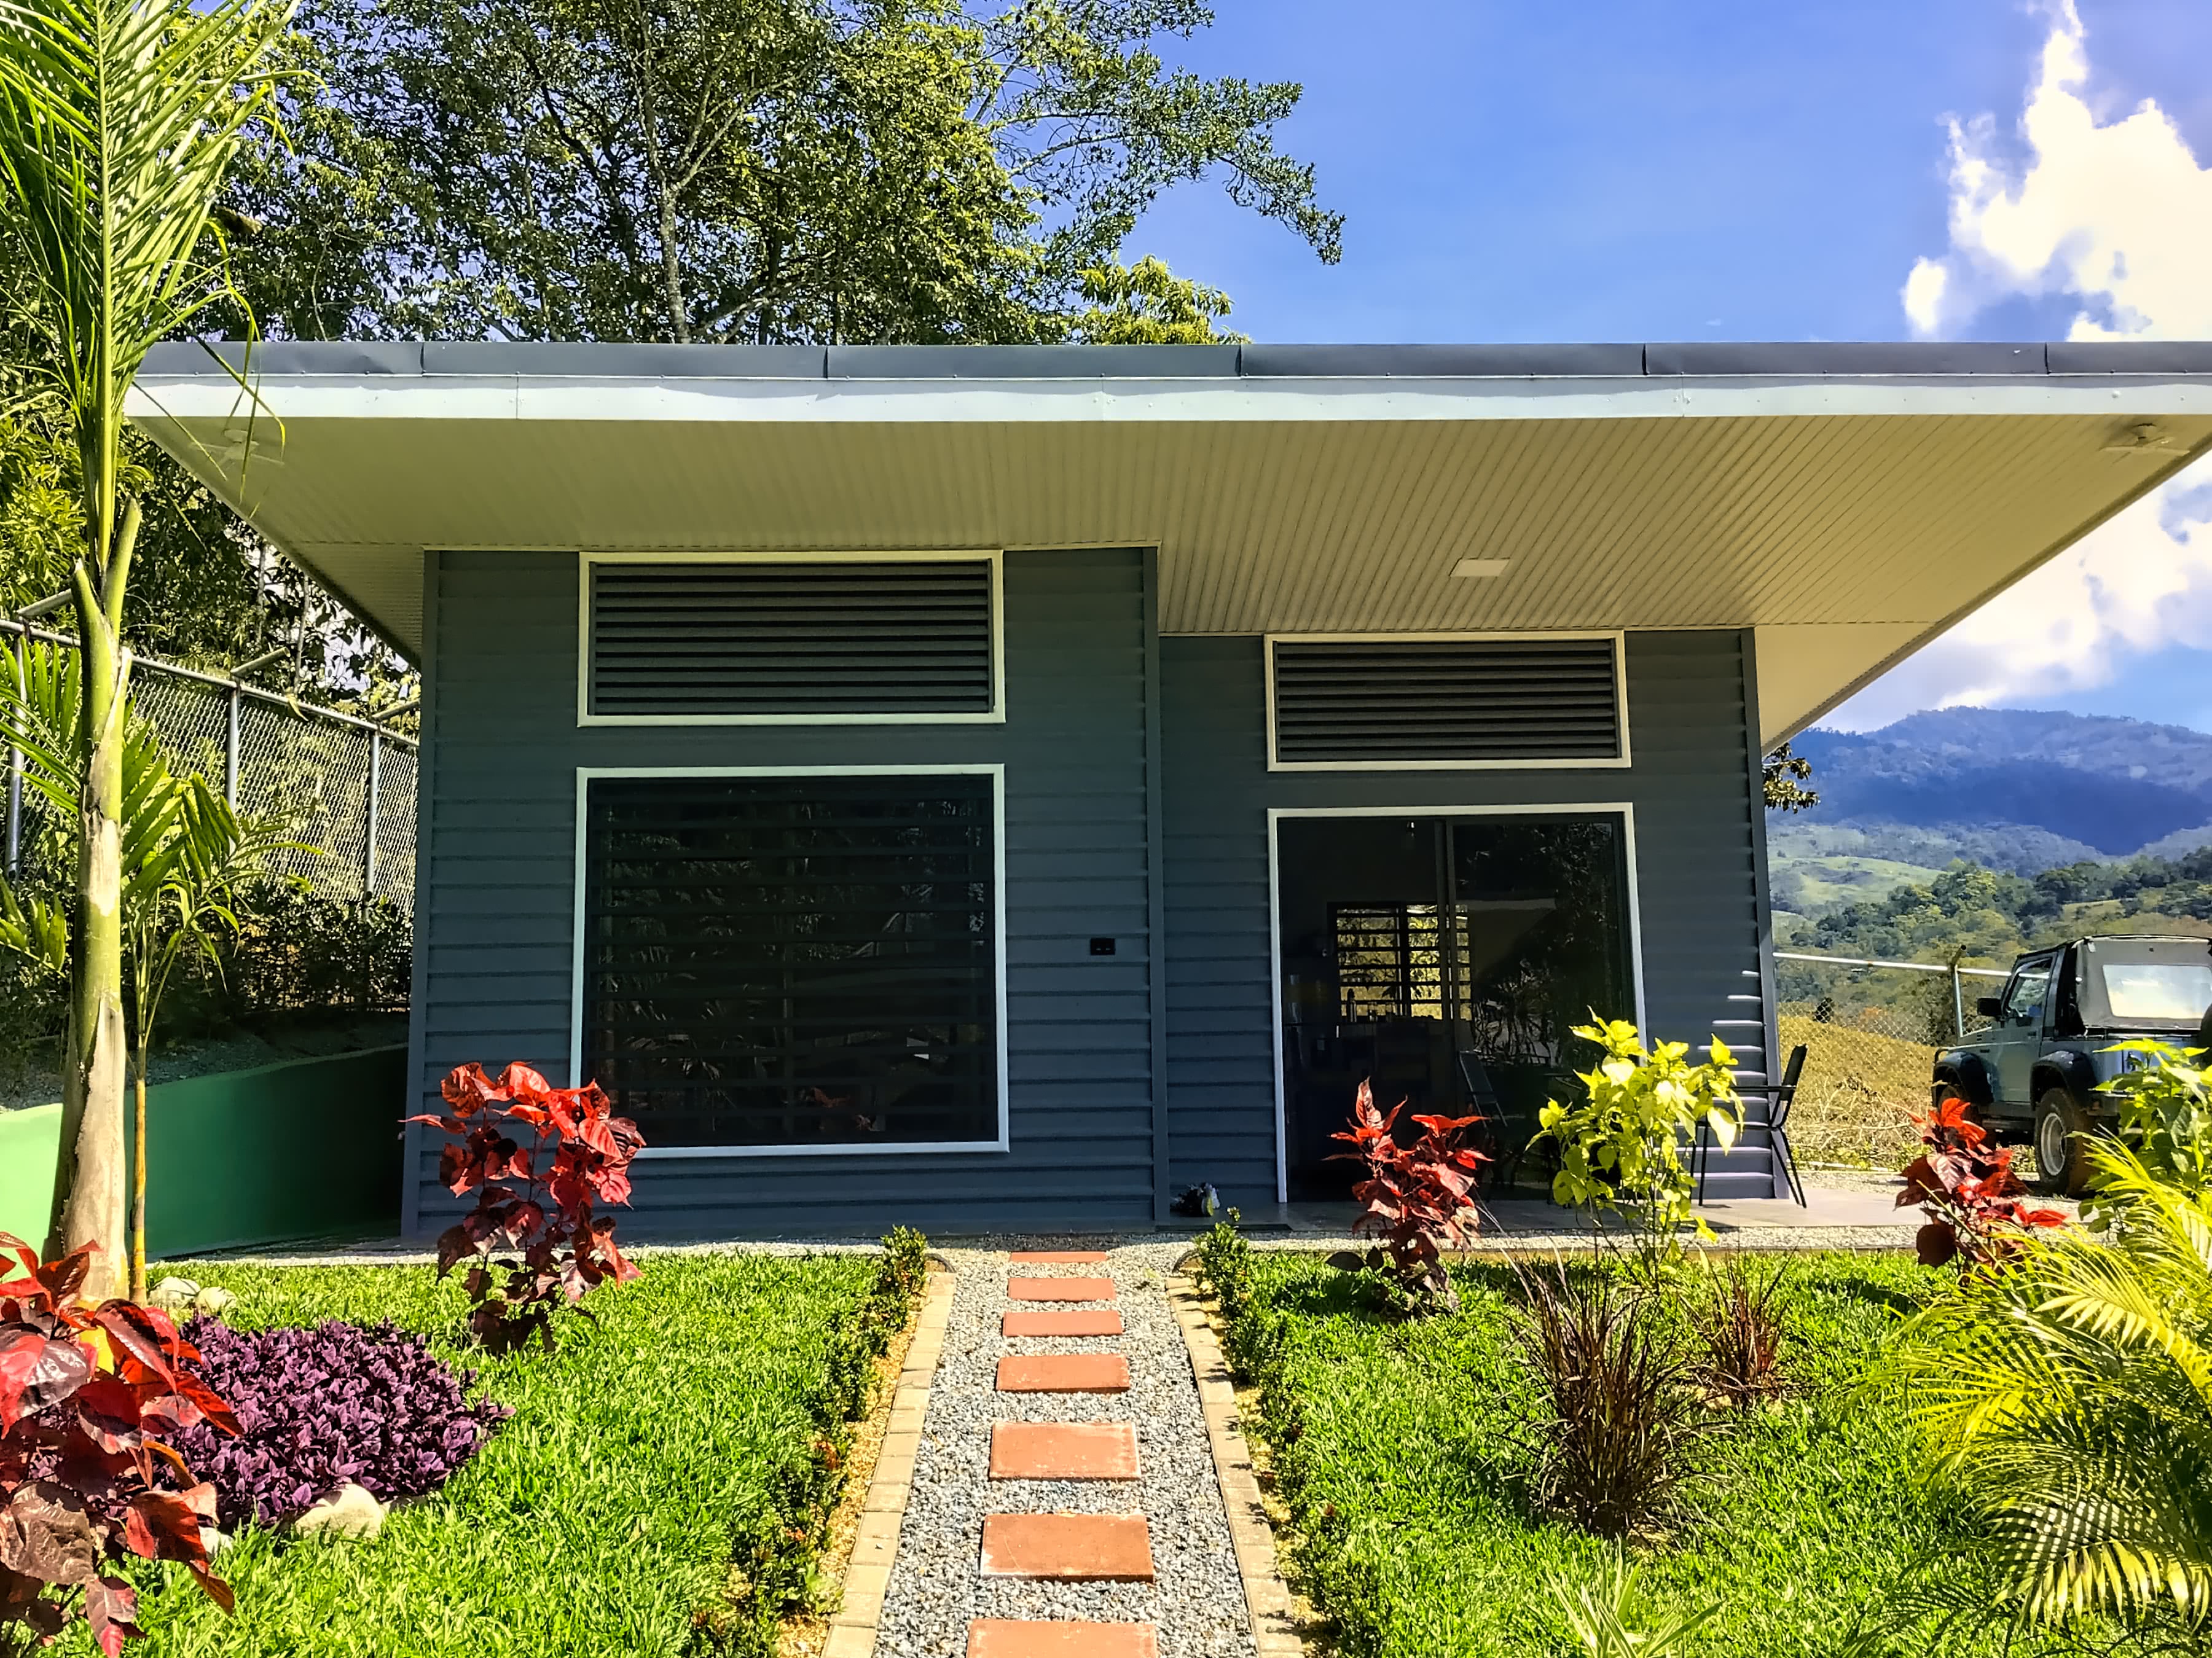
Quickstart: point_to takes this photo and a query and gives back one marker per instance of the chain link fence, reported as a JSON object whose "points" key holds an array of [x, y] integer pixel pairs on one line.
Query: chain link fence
{"points": [[341, 786], [1870, 1031]]}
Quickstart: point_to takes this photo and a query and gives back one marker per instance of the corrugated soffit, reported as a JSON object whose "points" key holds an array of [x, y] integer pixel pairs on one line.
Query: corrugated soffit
{"points": [[1874, 522]]}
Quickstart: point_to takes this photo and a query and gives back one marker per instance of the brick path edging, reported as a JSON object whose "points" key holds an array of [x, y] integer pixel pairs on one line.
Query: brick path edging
{"points": [[852, 1627], [1275, 1622]]}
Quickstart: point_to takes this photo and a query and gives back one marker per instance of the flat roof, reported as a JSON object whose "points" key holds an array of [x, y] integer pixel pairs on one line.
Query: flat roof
{"points": [[1713, 359], [1846, 502]]}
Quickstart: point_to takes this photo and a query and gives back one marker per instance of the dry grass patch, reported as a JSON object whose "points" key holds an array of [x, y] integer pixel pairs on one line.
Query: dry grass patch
{"points": [[1856, 1097]]}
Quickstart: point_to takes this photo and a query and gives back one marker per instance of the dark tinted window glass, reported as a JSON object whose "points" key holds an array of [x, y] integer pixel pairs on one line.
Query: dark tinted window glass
{"points": [[1445, 960], [1543, 935], [793, 961]]}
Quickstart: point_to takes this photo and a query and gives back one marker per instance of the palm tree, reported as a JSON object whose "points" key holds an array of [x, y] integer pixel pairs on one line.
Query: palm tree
{"points": [[186, 855], [2067, 1396], [118, 120]]}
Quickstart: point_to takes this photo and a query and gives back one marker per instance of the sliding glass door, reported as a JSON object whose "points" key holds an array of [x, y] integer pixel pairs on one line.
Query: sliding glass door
{"points": [[1447, 958]]}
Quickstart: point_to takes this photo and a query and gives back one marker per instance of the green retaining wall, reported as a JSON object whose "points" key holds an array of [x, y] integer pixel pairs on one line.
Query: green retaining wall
{"points": [[308, 1149]]}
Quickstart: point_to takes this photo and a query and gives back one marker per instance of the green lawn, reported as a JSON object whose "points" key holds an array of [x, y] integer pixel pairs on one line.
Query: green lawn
{"points": [[1393, 1445], [685, 1431]]}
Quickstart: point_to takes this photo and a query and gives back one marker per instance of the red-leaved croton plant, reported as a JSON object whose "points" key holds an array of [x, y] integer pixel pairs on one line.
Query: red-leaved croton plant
{"points": [[538, 1158], [1967, 1188], [89, 1398], [1417, 1197]]}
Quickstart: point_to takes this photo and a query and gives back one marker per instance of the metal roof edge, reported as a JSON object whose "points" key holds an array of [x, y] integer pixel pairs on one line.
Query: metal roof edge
{"points": [[1713, 360]]}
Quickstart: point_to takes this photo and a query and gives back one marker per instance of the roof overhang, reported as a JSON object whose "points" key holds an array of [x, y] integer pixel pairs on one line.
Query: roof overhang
{"points": [[1848, 502]]}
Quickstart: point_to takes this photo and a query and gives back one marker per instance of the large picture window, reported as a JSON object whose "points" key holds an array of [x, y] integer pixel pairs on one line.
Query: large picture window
{"points": [[793, 963]]}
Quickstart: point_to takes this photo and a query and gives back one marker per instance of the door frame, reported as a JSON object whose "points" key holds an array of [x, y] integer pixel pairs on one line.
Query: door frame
{"points": [[1624, 810], [2013, 1038]]}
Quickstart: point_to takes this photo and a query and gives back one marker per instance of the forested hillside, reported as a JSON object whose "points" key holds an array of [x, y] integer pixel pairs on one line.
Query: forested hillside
{"points": [[1987, 830], [1992, 915]]}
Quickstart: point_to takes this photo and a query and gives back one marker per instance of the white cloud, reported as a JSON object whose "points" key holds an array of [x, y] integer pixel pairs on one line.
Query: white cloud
{"points": [[2117, 217]]}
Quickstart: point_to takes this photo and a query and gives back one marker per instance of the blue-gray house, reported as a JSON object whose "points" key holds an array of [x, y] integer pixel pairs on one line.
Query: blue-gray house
{"points": [[987, 786]]}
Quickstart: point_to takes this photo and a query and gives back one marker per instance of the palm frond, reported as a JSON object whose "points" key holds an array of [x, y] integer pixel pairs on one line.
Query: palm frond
{"points": [[35, 928], [117, 118], [42, 716], [2068, 1398]]}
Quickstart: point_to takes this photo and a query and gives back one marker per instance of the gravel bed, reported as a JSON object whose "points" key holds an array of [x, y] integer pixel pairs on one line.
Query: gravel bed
{"points": [[1196, 1600]]}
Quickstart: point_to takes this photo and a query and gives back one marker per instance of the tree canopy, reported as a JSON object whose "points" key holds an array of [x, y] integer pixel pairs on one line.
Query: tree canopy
{"points": [[207, 591], [1785, 775], [762, 171]]}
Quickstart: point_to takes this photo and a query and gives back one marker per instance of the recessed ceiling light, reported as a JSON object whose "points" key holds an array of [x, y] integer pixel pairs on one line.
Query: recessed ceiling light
{"points": [[1482, 568]]}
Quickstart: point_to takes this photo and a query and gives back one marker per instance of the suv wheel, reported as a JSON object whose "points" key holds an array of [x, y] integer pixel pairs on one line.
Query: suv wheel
{"points": [[2061, 1155]]}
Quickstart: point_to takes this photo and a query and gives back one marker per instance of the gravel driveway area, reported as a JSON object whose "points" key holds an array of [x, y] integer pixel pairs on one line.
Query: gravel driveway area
{"points": [[1196, 1599]]}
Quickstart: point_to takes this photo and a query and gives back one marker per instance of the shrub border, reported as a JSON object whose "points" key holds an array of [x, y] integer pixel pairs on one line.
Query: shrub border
{"points": [[1273, 1612], [773, 1561], [875, 1546]]}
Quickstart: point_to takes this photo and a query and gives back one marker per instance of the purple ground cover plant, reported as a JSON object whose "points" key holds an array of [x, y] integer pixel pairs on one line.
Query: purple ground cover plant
{"points": [[319, 1407]]}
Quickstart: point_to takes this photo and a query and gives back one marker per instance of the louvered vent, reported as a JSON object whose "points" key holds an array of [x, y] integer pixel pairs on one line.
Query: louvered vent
{"points": [[1445, 702], [905, 638]]}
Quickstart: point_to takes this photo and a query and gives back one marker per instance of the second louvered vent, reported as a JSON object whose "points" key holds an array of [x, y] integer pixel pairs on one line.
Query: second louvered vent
{"points": [[1507, 701], [900, 638]]}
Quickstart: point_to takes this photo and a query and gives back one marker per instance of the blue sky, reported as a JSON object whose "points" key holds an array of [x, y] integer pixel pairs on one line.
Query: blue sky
{"points": [[1721, 169]]}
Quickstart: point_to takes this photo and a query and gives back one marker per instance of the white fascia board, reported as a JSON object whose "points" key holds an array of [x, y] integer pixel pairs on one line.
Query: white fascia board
{"points": [[375, 398]]}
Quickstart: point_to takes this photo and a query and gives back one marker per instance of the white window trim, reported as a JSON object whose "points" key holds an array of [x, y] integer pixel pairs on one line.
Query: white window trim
{"points": [[1620, 696], [995, 716], [1621, 809], [997, 773]]}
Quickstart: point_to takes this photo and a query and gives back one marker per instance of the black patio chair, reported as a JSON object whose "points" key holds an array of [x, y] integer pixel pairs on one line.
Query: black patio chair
{"points": [[1496, 1133], [1779, 1099]]}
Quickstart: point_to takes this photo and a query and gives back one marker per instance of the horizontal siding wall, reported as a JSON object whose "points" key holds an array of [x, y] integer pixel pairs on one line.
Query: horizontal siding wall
{"points": [[496, 896], [1698, 876]]}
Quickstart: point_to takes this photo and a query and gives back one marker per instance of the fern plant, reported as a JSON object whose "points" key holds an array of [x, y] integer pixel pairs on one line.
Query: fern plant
{"points": [[2067, 1398]]}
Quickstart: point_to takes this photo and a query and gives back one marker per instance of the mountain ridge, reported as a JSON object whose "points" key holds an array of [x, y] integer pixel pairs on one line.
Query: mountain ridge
{"points": [[2017, 789]]}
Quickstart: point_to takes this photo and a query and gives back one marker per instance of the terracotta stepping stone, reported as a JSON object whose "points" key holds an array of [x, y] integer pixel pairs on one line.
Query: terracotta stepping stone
{"points": [[1064, 1450], [1080, 1321], [1059, 1288], [1002, 1638], [1057, 1257], [1064, 1373], [1087, 1547]]}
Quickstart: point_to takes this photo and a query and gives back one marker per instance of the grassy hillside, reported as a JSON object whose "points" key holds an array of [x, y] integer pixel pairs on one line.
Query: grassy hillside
{"points": [[1806, 886]]}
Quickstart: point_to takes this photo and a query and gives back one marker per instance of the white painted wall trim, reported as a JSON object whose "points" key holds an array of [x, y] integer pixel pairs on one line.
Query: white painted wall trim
{"points": [[997, 772], [1090, 400], [1624, 810], [992, 557], [1619, 699]]}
